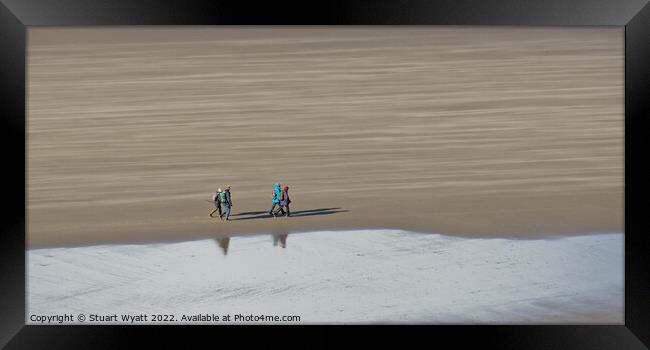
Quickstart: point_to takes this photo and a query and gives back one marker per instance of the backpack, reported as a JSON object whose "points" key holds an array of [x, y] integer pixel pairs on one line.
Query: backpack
{"points": [[222, 197], [281, 197]]}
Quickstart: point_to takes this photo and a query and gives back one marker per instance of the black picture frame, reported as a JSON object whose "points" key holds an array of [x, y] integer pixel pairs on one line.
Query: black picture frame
{"points": [[633, 15]]}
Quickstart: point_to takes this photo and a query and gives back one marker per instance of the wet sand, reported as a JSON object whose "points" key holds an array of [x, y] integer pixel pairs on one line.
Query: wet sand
{"points": [[370, 276], [480, 131]]}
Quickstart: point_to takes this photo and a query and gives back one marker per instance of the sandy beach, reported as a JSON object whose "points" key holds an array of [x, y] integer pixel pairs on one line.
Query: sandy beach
{"points": [[475, 131]]}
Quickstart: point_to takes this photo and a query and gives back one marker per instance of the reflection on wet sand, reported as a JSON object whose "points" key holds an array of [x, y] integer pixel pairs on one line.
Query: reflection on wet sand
{"points": [[280, 237], [224, 242]]}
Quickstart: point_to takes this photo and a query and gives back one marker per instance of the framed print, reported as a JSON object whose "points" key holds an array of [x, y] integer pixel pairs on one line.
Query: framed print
{"points": [[474, 171]]}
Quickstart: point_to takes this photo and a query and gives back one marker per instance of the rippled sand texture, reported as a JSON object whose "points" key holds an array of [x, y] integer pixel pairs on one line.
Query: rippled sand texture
{"points": [[459, 130]]}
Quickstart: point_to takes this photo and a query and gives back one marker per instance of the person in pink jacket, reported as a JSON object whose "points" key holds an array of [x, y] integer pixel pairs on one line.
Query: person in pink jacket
{"points": [[285, 200]]}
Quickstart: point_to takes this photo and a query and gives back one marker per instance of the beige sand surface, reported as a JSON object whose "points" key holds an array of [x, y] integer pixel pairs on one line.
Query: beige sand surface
{"points": [[483, 131]]}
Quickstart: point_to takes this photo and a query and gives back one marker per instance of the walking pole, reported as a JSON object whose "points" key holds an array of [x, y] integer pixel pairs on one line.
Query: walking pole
{"points": [[213, 210]]}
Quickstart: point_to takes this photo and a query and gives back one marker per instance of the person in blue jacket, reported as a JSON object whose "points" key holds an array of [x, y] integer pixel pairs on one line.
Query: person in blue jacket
{"points": [[276, 199]]}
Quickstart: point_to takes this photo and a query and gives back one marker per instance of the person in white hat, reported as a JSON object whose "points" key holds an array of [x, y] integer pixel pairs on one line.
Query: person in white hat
{"points": [[217, 204]]}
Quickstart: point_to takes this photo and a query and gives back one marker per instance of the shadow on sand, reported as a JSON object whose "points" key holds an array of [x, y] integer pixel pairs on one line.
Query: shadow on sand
{"points": [[298, 213], [248, 213]]}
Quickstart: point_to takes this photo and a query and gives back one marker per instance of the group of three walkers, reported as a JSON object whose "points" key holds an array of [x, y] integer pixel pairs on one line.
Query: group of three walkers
{"points": [[223, 202]]}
